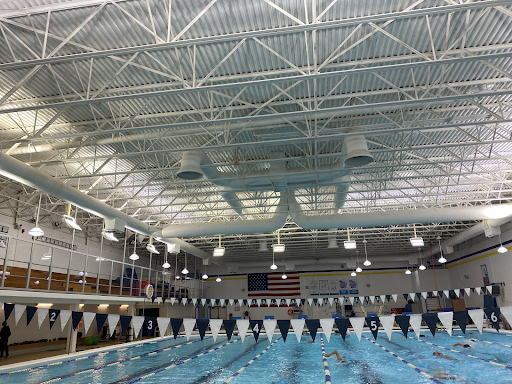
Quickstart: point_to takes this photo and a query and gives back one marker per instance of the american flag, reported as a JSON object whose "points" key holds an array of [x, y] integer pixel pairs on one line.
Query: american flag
{"points": [[271, 285]]}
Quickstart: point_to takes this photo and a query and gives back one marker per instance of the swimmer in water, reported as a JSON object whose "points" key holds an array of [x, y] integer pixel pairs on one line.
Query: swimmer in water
{"points": [[439, 354], [443, 375], [311, 341], [461, 345], [339, 357]]}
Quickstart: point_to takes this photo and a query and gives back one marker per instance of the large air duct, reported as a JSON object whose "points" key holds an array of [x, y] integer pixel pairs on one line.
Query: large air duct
{"points": [[357, 152], [231, 227]]}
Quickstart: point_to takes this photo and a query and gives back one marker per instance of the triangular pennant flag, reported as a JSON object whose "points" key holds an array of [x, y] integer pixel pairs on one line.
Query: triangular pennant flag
{"points": [[461, 292], [310, 301], [493, 314], [351, 299], [284, 327], [184, 301], [478, 290], [229, 326], [242, 325], [194, 302], [215, 325], [434, 293], [406, 296], [387, 324], [270, 327], [431, 320], [153, 299], [41, 315], [112, 323], [88, 318], [244, 301], [163, 299], [342, 325], [447, 293], [137, 322], [189, 301], [8, 308], [418, 295], [457, 293], [403, 323], [330, 300], [163, 324], [75, 318], [53, 315], [258, 301], [173, 300], [313, 325], [222, 302], [125, 323], [415, 322], [507, 314], [315, 301], [395, 297], [288, 302], [298, 327], [372, 298], [302, 301], [64, 318], [279, 302], [477, 315], [19, 309], [175, 326], [412, 296], [361, 300], [383, 299], [202, 326], [424, 294], [256, 328], [468, 291], [269, 302], [373, 323], [31, 311], [327, 325], [231, 301], [357, 325], [489, 289], [149, 325], [100, 320], [189, 327], [461, 317], [446, 319], [203, 302]]}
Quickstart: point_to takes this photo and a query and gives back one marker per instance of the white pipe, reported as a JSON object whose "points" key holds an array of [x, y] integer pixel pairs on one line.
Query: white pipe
{"points": [[377, 219], [231, 227], [25, 174]]}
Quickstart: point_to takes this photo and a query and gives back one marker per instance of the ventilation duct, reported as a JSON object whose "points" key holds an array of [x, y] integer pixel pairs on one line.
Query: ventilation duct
{"points": [[357, 152], [191, 165], [331, 239], [263, 246]]}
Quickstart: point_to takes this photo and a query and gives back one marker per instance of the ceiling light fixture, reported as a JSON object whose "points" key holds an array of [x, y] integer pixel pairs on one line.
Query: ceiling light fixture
{"points": [[273, 266], [353, 273], [358, 269], [205, 276], [367, 262], [69, 220], [184, 271], [134, 255], [151, 248], [416, 241], [284, 277], [166, 263], [442, 259], [407, 271], [219, 251], [348, 244], [109, 235], [278, 247], [218, 279], [502, 249], [421, 267], [36, 231], [48, 255]]}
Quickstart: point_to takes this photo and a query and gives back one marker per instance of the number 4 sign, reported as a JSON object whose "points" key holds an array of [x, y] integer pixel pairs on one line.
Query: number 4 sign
{"points": [[256, 328]]}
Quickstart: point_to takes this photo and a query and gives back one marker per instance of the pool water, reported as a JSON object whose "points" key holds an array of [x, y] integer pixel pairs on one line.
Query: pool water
{"points": [[400, 360]]}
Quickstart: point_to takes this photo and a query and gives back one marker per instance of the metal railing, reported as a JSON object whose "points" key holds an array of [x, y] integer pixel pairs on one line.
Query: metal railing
{"points": [[33, 265]]}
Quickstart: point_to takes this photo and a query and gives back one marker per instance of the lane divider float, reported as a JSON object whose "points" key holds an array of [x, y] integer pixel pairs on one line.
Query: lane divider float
{"points": [[327, 372]]}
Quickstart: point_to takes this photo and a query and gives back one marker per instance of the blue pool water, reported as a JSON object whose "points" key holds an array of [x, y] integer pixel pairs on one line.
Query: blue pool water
{"points": [[206, 361]]}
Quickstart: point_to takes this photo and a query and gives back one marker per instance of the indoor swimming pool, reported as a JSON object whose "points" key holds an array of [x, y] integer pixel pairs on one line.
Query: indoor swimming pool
{"points": [[207, 361]]}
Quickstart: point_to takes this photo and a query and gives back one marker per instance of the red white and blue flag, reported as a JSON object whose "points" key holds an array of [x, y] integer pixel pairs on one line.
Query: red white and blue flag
{"points": [[272, 285]]}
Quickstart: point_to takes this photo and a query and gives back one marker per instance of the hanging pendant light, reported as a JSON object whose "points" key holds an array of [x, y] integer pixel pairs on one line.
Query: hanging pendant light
{"points": [[502, 249], [134, 255], [36, 231], [367, 262], [218, 279], [278, 247], [421, 267], [166, 262], [416, 241], [184, 271], [407, 271], [353, 273], [205, 276], [442, 259], [358, 269], [219, 251], [349, 244], [151, 248], [283, 276], [273, 266]]}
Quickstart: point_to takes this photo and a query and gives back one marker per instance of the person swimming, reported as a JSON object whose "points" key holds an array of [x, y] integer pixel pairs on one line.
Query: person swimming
{"points": [[439, 354], [443, 375], [338, 356], [461, 345]]}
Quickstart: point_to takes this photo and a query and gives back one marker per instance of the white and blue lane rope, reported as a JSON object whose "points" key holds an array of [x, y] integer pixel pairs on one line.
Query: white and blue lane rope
{"points": [[327, 372], [250, 362], [468, 355], [425, 374], [118, 362]]}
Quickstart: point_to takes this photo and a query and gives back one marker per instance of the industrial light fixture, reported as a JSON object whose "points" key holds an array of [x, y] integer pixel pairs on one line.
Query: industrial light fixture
{"points": [[69, 220], [416, 241], [42, 305], [358, 269], [166, 265], [502, 249], [219, 251], [109, 235], [184, 271], [407, 271], [205, 276], [284, 277], [218, 279], [103, 305], [353, 273], [367, 262], [47, 255], [348, 244], [278, 247], [421, 267], [36, 231], [273, 266], [151, 248], [442, 259], [134, 255]]}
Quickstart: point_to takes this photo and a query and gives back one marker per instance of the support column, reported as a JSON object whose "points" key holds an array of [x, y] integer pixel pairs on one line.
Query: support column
{"points": [[71, 344], [131, 312]]}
